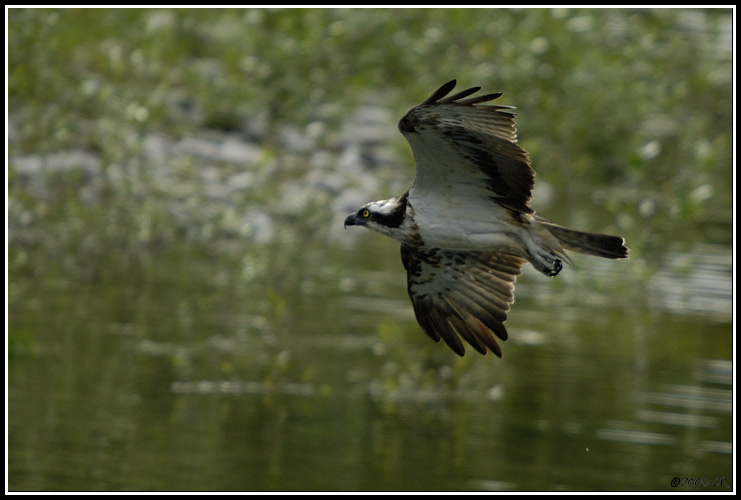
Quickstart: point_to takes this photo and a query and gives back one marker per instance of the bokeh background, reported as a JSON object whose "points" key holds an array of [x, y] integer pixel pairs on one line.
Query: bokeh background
{"points": [[186, 312]]}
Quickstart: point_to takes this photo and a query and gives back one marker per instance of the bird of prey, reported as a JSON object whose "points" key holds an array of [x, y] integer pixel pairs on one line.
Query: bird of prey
{"points": [[465, 226]]}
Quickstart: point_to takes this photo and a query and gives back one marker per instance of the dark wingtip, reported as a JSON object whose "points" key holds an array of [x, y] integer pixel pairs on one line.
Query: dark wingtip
{"points": [[439, 96], [461, 95], [441, 92]]}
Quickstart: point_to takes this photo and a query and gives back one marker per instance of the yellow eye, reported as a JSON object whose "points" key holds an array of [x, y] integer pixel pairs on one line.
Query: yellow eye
{"points": [[365, 213]]}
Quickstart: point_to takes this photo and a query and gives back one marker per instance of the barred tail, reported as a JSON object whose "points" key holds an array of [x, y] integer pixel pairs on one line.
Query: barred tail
{"points": [[601, 245]]}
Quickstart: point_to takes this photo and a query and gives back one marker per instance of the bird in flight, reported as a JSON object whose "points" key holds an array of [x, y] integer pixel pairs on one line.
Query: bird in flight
{"points": [[465, 226]]}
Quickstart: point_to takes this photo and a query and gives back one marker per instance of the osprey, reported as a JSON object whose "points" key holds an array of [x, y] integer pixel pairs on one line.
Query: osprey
{"points": [[465, 226]]}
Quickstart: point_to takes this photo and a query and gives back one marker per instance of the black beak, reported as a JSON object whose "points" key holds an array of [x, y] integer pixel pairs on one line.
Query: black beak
{"points": [[351, 220]]}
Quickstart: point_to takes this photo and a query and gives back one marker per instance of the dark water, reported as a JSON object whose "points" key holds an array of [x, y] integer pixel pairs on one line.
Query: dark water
{"points": [[280, 352], [186, 374]]}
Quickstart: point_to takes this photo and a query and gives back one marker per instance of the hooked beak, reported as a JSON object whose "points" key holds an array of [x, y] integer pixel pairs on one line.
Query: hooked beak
{"points": [[351, 220]]}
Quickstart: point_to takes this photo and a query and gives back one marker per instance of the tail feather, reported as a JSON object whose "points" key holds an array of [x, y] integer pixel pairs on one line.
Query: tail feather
{"points": [[601, 245]]}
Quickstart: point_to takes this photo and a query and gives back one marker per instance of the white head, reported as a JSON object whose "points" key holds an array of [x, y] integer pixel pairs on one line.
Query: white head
{"points": [[384, 216]]}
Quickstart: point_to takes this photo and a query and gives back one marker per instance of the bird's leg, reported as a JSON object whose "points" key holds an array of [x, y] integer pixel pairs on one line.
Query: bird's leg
{"points": [[546, 262], [542, 249]]}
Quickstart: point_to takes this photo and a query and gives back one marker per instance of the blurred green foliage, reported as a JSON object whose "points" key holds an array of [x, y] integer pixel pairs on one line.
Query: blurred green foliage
{"points": [[637, 100], [631, 105]]}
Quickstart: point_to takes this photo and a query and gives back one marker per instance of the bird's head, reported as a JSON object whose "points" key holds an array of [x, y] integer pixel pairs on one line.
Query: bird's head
{"points": [[385, 216]]}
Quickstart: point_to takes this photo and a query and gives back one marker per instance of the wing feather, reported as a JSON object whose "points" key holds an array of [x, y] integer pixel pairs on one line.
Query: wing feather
{"points": [[461, 294], [433, 317], [472, 328], [469, 149], [460, 95], [466, 328], [440, 93]]}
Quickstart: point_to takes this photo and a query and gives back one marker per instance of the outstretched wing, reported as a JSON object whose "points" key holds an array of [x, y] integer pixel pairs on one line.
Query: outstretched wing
{"points": [[468, 150], [461, 294]]}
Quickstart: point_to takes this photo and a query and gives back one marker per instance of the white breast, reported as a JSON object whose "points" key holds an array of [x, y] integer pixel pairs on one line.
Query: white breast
{"points": [[462, 223]]}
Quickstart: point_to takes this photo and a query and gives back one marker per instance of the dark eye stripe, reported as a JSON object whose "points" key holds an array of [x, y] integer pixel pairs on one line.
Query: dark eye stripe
{"points": [[394, 219]]}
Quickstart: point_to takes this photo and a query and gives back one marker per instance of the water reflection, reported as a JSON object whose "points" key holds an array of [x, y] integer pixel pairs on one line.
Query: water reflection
{"points": [[244, 373], [297, 366], [294, 401], [695, 283]]}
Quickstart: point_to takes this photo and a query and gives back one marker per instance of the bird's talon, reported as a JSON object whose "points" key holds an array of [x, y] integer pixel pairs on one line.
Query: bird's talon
{"points": [[557, 266]]}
